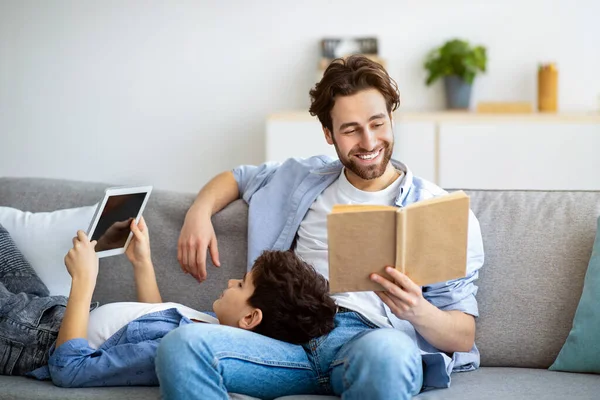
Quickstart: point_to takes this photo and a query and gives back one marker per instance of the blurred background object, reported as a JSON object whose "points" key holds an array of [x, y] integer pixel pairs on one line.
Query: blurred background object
{"points": [[548, 88], [336, 48], [332, 48], [504, 107], [457, 62]]}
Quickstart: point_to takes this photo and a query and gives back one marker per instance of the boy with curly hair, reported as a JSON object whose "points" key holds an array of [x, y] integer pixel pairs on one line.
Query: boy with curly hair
{"points": [[282, 297]]}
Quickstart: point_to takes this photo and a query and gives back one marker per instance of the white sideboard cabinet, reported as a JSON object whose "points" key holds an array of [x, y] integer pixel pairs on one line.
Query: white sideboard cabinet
{"points": [[469, 150]]}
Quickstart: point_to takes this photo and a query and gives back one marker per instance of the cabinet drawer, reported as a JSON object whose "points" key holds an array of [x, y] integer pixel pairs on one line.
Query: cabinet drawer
{"points": [[543, 156]]}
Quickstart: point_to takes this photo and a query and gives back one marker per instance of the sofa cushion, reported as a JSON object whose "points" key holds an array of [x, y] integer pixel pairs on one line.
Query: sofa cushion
{"points": [[491, 383], [20, 388], [487, 383], [537, 247], [581, 352]]}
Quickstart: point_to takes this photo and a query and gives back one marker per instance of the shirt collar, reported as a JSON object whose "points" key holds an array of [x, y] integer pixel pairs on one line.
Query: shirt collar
{"points": [[335, 168]]}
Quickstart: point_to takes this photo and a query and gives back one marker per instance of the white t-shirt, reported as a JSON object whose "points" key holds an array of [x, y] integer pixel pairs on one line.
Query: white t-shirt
{"points": [[311, 244], [106, 320]]}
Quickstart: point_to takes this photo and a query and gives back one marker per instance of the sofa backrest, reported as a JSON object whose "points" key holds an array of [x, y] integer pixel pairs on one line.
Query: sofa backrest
{"points": [[537, 247], [164, 215]]}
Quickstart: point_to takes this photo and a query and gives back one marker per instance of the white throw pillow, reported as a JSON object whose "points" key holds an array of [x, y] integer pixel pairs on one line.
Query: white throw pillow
{"points": [[106, 320], [45, 238]]}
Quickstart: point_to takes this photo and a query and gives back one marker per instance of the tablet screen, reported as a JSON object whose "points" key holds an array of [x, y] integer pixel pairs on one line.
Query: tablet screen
{"points": [[113, 229]]}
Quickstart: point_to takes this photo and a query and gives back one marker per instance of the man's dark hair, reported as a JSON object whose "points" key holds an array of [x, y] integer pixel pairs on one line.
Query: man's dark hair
{"points": [[292, 296], [345, 77]]}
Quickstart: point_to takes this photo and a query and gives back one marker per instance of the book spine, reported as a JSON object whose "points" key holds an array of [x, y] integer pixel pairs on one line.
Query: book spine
{"points": [[404, 239], [401, 241]]}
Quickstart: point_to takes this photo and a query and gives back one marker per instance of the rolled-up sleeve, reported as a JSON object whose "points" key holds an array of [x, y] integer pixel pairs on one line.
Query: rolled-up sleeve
{"points": [[459, 294], [250, 178]]}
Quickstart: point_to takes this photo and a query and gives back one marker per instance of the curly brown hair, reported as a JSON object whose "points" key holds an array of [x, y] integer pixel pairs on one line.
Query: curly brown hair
{"points": [[293, 297], [345, 77]]}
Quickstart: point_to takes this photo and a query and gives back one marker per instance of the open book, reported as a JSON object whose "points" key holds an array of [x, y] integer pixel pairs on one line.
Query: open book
{"points": [[426, 240]]}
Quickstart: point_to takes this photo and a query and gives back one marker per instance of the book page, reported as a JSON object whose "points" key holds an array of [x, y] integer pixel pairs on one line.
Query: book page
{"points": [[440, 199], [360, 243], [435, 239]]}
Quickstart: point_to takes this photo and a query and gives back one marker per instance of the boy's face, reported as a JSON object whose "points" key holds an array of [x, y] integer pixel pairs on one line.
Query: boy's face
{"points": [[362, 133], [232, 307]]}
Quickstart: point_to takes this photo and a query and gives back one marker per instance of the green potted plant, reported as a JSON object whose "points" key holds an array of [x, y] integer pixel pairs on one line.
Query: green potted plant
{"points": [[458, 63]]}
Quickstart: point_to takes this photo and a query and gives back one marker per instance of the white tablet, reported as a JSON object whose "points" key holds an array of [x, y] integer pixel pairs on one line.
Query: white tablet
{"points": [[111, 223]]}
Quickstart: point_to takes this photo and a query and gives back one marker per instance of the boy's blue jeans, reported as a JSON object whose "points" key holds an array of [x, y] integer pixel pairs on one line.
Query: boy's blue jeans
{"points": [[356, 359]]}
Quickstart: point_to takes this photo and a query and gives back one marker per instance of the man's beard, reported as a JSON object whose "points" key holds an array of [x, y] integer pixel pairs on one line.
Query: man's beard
{"points": [[367, 172]]}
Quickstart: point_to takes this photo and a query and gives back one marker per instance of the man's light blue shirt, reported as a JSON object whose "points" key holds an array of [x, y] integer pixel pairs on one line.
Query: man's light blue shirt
{"points": [[280, 194]]}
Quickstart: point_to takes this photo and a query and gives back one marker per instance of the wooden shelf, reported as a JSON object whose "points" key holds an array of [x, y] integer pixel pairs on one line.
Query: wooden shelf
{"points": [[470, 150], [463, 116]]}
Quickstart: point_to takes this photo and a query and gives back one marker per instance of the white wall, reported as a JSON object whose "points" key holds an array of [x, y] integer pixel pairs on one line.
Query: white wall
{"points": [[171, 93]]}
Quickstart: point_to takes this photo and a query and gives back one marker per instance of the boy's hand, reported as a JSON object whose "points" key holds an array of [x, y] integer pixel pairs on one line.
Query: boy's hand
{"points": [[81, 261], [138, 251]]}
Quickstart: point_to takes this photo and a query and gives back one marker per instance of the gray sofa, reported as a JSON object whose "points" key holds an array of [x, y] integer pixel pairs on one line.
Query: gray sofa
{"points": [[537, 245]]}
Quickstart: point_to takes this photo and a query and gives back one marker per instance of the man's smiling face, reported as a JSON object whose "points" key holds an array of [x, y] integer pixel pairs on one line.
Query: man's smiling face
{"points": [[362, 133]]}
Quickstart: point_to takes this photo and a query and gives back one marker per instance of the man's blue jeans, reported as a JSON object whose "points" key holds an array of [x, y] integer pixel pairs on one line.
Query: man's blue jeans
{"points": [[356, 360]]}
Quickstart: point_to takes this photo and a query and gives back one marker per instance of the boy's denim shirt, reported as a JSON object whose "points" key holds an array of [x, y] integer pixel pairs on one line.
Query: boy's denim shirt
{"points": [[125, 359], [280, 195]]}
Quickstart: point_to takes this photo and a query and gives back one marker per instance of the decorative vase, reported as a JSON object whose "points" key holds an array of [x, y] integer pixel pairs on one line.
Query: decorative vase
{"points": [[548, 88], [458, 92]]}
